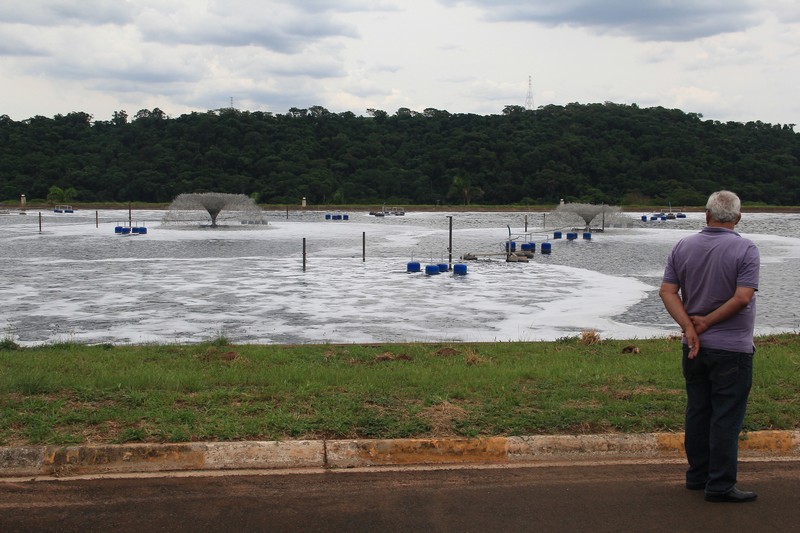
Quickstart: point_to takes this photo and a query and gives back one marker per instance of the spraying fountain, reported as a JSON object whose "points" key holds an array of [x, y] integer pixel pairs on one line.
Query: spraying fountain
{"points": [[566, 214], [185, 208]]}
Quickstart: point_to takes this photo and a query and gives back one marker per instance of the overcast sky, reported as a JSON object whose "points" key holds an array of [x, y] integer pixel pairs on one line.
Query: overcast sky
{"points": [[725, 59]]}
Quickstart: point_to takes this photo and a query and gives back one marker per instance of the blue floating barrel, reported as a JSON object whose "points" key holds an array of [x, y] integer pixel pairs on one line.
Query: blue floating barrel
{"points": [[327, 216], [680, 215], [460, 269], [546, 247], [443, 267], [526, 247], [135, 230], [142, 231], [556, 234], [345, 217], [413, 267], [664, 217], [571, 236], [118, 229], [511, 246], [337, 217], [126, 231], [431, 270], [654, 217], [587, 236], [644, 218]]}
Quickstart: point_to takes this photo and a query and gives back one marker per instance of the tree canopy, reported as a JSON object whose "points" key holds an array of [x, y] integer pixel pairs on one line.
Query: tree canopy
{"points": [[595, 153]]}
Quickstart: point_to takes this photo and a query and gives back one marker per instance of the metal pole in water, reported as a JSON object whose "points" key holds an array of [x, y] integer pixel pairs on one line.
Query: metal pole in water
{"points": [[287, 212], [130, 216], [526, 223], [96, 219], [40, 222], [304, 254], [363, 246], [450, 244]]}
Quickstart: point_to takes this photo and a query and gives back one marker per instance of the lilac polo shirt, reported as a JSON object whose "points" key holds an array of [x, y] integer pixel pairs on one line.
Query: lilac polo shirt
{"points": [[708, 266]]}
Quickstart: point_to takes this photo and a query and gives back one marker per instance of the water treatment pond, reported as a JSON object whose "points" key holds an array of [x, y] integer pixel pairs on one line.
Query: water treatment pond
{"points": [[77, 280]]}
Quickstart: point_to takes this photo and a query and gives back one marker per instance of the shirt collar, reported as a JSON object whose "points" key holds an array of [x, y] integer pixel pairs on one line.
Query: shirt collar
{"points": [[717, 229]]}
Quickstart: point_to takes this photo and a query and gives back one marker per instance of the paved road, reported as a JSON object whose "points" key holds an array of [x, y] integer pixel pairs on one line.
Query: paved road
{"points": [[623, 497]]}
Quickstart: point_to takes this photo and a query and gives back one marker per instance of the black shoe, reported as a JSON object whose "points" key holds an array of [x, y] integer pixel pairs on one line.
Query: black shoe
{"points": [[695, 485], [733, 496]]}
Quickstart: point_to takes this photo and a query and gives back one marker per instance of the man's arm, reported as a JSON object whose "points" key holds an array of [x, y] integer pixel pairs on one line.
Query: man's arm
{"points": [[740, 299], [674, 306]]}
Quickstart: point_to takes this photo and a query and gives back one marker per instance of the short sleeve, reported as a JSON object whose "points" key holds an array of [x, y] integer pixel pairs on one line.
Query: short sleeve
{"points": [[748, 273]]}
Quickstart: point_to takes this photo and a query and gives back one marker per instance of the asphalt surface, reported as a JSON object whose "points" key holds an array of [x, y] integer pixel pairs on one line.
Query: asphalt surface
{"points": [[643, 496]]}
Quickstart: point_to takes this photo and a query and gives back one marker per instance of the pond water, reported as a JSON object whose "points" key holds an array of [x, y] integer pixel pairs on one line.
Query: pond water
{"points": [[76, 280]]}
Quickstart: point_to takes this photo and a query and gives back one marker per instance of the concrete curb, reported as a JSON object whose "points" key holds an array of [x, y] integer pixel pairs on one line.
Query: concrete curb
{"points": [[65, 461]]}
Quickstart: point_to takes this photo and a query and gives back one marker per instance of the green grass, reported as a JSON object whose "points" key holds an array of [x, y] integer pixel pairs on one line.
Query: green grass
{"points": [[71, 393]]}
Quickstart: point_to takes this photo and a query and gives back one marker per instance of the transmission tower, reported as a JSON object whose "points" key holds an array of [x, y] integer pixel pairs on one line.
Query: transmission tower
{"points": [[529, 98]]}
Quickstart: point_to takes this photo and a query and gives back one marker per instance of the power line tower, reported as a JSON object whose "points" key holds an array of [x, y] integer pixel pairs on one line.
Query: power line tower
{"points": [[529, 98]]}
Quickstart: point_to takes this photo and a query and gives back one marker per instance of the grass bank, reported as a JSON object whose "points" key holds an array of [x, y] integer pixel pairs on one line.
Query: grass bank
{"points": [[76, 394]]}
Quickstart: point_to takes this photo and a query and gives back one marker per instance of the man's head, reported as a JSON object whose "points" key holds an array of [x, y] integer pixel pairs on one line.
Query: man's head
{"points": [[723, 207]]}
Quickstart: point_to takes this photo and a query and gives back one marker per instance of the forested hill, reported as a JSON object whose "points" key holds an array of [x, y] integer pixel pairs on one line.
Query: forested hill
{"points": [[595, 153]]}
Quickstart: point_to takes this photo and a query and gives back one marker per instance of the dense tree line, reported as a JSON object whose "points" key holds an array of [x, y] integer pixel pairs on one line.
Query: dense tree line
{"points": [[594, 153]]}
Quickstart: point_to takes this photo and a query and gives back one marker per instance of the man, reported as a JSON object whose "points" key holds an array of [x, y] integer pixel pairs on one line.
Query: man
{"points": [[709, 289]]}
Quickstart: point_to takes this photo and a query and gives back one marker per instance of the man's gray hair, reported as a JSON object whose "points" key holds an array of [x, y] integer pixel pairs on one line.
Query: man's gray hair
{"points": [[724, 206]]}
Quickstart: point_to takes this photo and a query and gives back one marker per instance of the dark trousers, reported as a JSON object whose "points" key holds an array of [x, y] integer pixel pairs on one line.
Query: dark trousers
{"points": [[717, 386]]}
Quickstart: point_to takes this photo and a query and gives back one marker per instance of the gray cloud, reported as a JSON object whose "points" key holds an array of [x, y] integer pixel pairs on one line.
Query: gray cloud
{"points": [[140, 76], [19, 48], [281, 31], [180, 49], [59, 12], [282, 26], [644, 20], [327, 6]]}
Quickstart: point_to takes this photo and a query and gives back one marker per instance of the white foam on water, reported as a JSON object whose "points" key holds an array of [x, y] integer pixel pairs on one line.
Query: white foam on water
{"points": [[75, 281]]}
